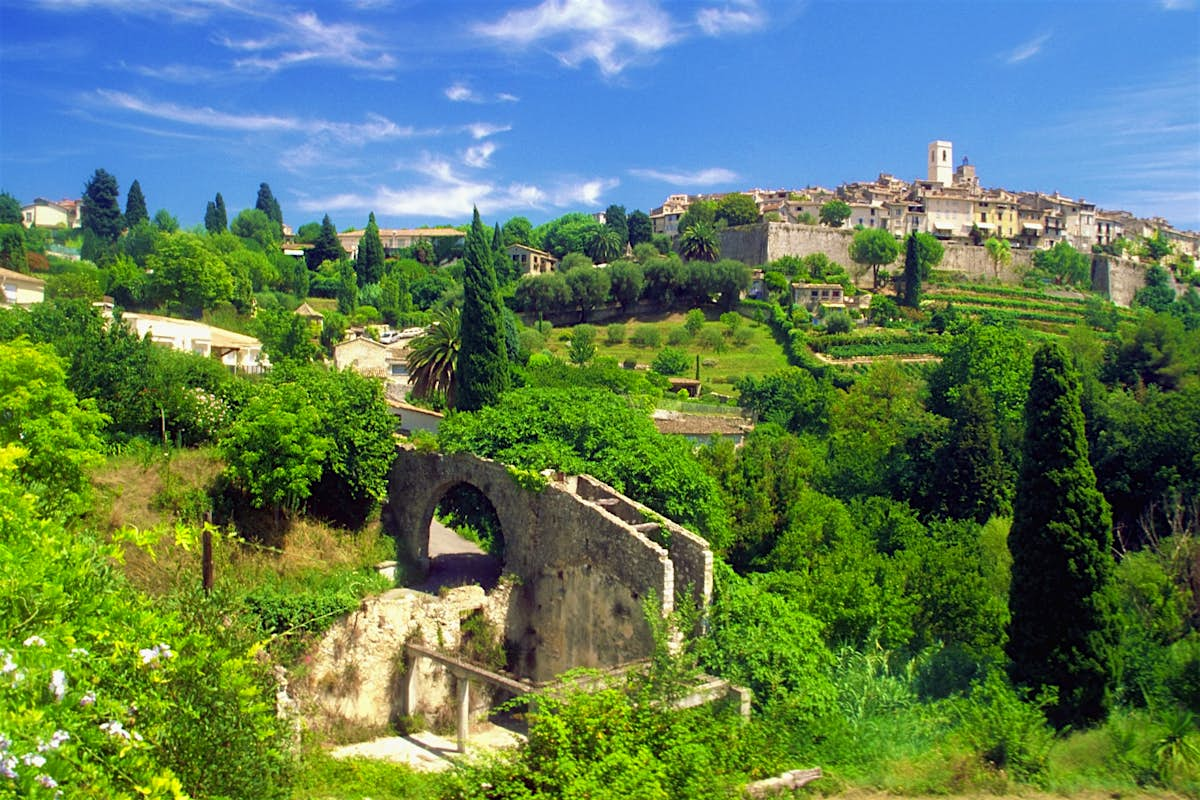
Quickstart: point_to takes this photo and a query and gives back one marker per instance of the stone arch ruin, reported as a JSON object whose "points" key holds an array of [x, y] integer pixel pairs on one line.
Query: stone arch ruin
{"points": [[582, 559]]}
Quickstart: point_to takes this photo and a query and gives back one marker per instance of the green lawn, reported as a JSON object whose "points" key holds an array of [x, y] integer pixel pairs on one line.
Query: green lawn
{"points": [[719, 368]]}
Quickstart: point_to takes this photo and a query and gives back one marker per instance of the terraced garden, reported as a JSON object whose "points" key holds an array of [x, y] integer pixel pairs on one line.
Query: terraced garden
{"points": [[1051, 313]]}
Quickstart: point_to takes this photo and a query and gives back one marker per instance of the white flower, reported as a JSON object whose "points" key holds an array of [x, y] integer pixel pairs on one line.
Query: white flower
{"points": [[8, 767], [47, 781], [9, 664], [114, 728], [58, 684], [56, 740], [34, 759], [78, 651], [35, 641], [88, 699]]}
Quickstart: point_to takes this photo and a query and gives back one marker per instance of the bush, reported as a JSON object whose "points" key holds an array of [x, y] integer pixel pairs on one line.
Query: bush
{"points": [[646, 336], [742, 337], [711, 339], [694, 321], [670, 362], [678, 336], [837, 322], [614, 334], [1003, 730]]}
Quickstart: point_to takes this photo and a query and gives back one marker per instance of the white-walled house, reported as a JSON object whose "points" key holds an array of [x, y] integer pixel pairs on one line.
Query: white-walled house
{"points": [[21, 289], [237, 351]]}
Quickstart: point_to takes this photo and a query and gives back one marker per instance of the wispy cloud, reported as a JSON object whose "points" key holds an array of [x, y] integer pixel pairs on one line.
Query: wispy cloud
{"points": [[480, 155], [460, 92], [441, 192], [735, 17], [1027, 50], [612, 33], [701, 177], [482, 130], [174, 73], [1178, 5]]}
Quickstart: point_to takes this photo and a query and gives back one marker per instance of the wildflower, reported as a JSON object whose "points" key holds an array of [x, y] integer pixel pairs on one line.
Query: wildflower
{"points": [[9, 664], [5, 743], [56, 740], [34, 759], [47, 781], [88, 699], [78, 651], [58, 684], [152, 654], [8, 767], [114, 728], [35, 641]]}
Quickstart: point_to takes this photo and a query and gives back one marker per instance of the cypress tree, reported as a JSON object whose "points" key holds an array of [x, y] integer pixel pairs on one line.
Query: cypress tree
{"points": [[912, 273], [102, 220], [135, 205], [222, 217], [1061, 539], [266, 203], [482, 362], [210, 218], [369, 262], [500, 260], [615, 219]]}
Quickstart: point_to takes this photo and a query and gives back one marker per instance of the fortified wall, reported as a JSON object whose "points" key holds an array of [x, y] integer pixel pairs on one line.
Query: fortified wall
{"points": [[767, 241], [583, 560]]}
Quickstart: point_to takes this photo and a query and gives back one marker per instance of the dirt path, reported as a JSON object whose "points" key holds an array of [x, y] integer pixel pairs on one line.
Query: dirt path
{"points": [[455, 562]]}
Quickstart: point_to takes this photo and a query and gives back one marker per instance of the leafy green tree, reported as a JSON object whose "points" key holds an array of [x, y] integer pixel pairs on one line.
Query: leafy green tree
{"points": [[1159, 292], [10, 209], [369, 262], [599, 433], [615, 219], [640, 228], [327, 247], [731, 278], [693, 322], [483, 371], [912, 273], [874, 248], [835, 213], [700, 242], [285, 336], [347, 287], [671, 361], [101, 221], [517, 230], [972, 473], [736, 209], [590, 288], [700, 211], [266, 203], [1061, 540], [791, 397], [255, 226], [187, 274], [1156, 247], [1064, 264], [664, 280], [627, 282], [1000, 252], [12, 248], [135, 205], [165, 221], [570, 233], [930, 251], [56, 435], [433, 357], [543, 293], [582, 348]]}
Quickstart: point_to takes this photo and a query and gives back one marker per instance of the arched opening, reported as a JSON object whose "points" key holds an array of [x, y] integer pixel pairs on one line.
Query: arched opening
{"points": [[466, 543]]}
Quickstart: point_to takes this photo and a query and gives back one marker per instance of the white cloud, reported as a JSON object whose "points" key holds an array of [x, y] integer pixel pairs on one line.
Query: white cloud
{"points": [[612, 33], [701, 177], [461, 93], [480, 155], [505, 97], [739, 17], [482, 130], [1178, 5], [174, 73], [1027, 50]]}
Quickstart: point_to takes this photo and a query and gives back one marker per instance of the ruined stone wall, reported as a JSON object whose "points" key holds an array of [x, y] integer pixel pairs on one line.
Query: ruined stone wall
{"points": [[580, 573]]}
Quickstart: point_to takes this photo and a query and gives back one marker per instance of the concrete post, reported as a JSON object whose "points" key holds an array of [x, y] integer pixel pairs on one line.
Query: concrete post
{"points": [[410, 687], [464, 711]]}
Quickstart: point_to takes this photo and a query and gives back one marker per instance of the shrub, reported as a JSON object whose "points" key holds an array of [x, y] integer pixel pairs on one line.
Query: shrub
{"points": [[614, 334], [678, 336], [646, 336], [1002, 729], [670, 362], [694, 321], [837, 322], [742, 336], [711, 339], [629, 363]]}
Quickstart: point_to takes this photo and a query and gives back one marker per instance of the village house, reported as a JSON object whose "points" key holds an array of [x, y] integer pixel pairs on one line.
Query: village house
{"points": [[375, 359], [530, 260], [238, 352], [396, 239], [21, 289], [43, 213]]}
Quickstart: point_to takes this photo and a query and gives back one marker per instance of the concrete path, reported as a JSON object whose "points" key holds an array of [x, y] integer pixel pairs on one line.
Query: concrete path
{"points": [[428, 752]]}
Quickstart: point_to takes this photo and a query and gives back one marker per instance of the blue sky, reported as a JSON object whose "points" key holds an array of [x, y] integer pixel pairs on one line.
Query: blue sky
{"points": [[418, 110]]}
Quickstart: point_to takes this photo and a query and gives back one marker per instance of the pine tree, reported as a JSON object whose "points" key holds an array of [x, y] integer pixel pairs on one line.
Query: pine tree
{"points": [[102, 220], [135, 205], [482, 360], [912, 273], [327, 247], [369, 262], [1061, 539]]}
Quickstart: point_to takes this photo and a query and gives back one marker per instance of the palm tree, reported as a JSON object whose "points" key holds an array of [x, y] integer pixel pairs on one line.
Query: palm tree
{"points": [[1000, 252], [433, 357], [605, 246], [699, 243]]}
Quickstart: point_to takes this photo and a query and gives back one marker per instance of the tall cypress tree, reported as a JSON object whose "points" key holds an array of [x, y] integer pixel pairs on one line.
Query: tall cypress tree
{"points": [[327, 247], [210, 218], [1061, 540], [135, 205], [369, 261], [102, 220], [266, 203], [222, 217], [912, 273], [482, 374]]}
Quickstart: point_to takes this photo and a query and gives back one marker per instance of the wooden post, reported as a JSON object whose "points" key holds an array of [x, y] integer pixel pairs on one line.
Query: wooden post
{"points": [[206, 555], [464, 711]]}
